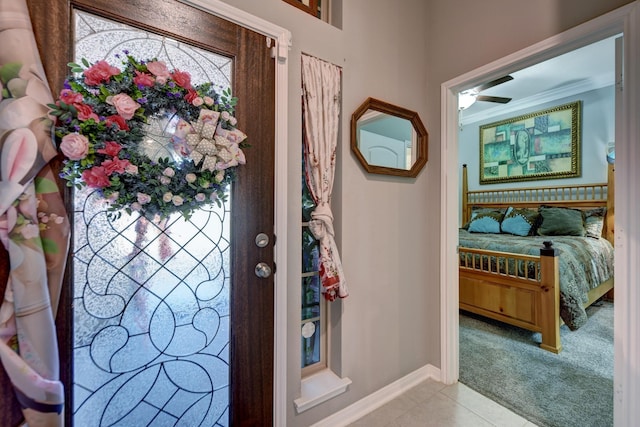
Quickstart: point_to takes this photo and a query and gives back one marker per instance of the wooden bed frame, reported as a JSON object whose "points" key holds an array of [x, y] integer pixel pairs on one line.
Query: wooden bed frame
{"points": [[509, 296]]}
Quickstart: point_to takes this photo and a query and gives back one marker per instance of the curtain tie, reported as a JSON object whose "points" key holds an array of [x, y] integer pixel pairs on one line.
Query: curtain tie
{"points": [[321, 223]]}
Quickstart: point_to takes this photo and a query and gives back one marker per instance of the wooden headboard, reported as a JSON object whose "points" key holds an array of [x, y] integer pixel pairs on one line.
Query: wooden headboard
{"points": [[583, 196]]}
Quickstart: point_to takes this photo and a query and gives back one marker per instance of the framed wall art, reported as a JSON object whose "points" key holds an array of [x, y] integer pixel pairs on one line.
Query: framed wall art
{"points": [[540, 145]]}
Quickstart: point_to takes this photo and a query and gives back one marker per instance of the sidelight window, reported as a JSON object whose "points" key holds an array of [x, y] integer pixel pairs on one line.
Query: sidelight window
{"points": [[314, 305]]}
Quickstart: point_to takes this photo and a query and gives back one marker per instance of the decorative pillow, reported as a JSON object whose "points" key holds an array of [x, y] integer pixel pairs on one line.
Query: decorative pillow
{"points": [[486, 220], [594, 222], [557, 221], [475, 210], [519, 221]]}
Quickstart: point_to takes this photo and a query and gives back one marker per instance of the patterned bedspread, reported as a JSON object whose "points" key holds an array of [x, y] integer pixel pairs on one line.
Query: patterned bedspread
{"points": [[585, 262]]}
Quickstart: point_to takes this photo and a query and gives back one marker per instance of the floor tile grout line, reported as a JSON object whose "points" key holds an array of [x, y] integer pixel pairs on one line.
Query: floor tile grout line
{"points": [[462, 403]]}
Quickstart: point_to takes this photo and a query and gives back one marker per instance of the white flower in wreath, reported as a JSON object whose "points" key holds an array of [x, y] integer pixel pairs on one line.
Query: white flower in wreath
{"points": [[113, 197], [177, 200], [143, 198]]}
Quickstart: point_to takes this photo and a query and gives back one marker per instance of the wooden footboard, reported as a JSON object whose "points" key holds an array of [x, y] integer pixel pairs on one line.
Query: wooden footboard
{"points": [[524, 290], [520, 290]]}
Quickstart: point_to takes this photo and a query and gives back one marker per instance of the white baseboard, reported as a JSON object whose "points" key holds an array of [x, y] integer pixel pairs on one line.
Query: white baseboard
{"points": [[378, 398]]}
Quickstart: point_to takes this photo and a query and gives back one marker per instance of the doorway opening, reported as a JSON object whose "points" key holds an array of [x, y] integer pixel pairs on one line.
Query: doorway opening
{"points": [[608, 25], [593, 87]]}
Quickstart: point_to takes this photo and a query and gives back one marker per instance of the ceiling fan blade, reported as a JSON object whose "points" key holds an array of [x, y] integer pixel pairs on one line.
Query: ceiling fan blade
{"points": [[493, 83], [498, 99]]}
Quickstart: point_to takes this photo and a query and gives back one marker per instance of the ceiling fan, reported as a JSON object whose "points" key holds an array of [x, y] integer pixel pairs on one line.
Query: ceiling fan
{"points": [[470, 96]]}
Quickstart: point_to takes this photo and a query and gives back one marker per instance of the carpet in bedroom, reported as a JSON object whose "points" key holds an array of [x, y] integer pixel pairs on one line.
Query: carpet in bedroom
{"points": [[572, 388]]}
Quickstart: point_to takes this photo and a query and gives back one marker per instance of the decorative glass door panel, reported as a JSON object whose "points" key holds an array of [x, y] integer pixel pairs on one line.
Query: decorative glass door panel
{"points": [[151, 297]]}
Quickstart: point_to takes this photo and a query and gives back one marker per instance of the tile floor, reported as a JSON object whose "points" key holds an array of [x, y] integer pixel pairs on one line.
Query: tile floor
{"points": [[434, 404]]}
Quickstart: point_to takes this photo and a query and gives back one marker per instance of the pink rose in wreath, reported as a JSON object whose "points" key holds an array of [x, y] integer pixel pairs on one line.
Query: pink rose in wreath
{"points": [[160, 70], [99, 72], [70, 97], [118, 121], [182, 79], [85, 113], [111, 148], [125, 105], [74, 146], [96, 177], [191, 96], [115, 165], [143, 79]]}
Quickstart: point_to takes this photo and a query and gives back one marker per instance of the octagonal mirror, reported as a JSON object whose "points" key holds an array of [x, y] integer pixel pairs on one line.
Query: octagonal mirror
{"points": [[388, 139]]}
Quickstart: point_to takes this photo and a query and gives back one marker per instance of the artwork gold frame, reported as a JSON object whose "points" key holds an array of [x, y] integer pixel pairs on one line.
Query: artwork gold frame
{"points": [[540, 145]]}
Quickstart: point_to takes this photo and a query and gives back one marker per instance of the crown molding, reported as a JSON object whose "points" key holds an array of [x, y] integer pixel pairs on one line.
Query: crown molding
{"points": [[566, 91]]}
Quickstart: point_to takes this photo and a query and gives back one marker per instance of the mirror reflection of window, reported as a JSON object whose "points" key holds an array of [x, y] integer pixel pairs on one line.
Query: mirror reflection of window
{"points": [[386, 140]]}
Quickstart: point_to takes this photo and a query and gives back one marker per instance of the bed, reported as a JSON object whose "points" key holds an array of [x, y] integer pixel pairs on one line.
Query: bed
{"points": [[532, 281]]}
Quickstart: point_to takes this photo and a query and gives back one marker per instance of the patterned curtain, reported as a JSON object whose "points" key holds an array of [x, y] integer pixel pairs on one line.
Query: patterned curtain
{"points": [[34, 228], [321, 110]]}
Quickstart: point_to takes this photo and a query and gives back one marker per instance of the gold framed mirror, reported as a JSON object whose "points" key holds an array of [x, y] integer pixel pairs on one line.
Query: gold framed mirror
{"points": [[388, 139]]}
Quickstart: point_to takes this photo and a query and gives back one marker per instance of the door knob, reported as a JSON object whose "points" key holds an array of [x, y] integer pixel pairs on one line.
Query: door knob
{"points": [[263, 270], [262, 240]]}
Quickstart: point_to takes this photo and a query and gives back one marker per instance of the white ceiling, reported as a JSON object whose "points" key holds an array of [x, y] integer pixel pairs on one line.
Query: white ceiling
{"points": [[587, 68]]}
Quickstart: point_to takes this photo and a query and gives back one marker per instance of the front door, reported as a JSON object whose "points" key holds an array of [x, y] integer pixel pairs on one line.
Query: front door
{"points": [[145, 324]]}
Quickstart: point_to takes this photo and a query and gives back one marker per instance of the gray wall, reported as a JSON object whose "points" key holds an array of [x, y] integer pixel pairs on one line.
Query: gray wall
{"points": [[389, 228]]}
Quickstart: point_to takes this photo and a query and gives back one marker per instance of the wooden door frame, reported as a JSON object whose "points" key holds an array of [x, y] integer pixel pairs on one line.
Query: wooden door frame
{"points": [[58, 17]]}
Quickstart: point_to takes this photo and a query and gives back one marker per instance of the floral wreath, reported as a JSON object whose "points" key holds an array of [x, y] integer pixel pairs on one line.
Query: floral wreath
{"points": [[101, 117]]}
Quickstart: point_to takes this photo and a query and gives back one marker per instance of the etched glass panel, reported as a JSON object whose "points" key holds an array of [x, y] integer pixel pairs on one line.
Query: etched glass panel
{"points": [[151, 298], [98, 39]]}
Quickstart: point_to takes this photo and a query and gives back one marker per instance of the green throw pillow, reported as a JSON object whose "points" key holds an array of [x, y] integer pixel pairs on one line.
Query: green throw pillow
{"points": [[519, 221], [557, 221]]}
